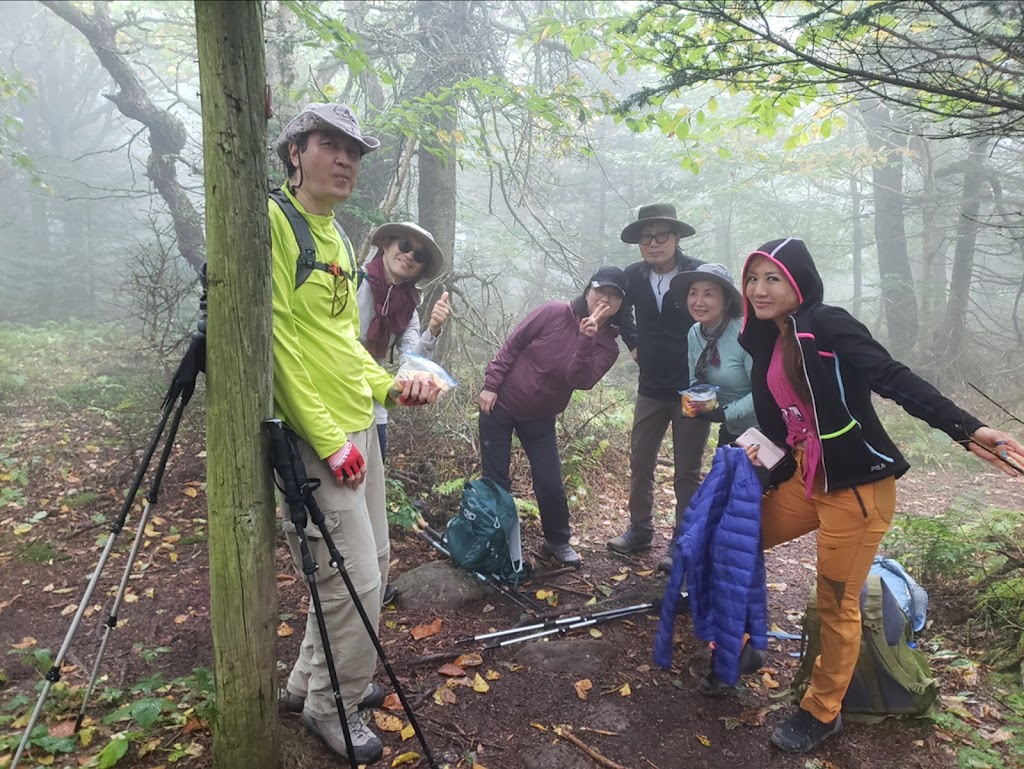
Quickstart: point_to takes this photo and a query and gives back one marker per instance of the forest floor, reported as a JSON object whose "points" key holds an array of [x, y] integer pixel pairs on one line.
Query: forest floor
{"points": [[64, 471]]}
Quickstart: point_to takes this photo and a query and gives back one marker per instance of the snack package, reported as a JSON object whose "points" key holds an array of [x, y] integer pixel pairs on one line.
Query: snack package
{"points": [[699, 398], [415, 366]]}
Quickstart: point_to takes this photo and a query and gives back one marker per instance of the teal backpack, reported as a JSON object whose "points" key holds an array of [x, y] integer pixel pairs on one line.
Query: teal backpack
{"points": [[892, 677], [484, 536]]}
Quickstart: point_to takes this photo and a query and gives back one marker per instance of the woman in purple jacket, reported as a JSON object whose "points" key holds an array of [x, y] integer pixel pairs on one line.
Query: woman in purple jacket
{"points": [[558, 348]]}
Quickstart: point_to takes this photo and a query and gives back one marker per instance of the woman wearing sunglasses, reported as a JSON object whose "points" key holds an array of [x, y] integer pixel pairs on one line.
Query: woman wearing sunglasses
{"points": [[406, 253]]}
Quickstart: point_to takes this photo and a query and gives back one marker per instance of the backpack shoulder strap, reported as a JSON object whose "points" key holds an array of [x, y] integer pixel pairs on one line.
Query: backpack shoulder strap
{"points": [[307, 262]]}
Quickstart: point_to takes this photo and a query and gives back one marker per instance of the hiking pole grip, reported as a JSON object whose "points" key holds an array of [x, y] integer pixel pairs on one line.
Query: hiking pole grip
{"points": [[285, 462]]}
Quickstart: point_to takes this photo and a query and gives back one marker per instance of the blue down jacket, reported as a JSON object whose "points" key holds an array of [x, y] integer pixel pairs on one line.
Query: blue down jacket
{"points": [[720, 555]]}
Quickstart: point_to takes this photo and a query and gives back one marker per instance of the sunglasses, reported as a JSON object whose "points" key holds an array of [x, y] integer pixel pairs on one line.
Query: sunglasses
{"points": [[339, 300], [660, 237], [419, 255]]}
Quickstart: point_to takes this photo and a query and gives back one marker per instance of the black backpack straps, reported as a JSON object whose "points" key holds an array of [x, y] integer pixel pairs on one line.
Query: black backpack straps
{"points": [[307, 262]]}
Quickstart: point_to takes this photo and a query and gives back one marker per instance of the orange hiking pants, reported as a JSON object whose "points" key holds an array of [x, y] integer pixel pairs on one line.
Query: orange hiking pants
{"points": [[850, 524]]}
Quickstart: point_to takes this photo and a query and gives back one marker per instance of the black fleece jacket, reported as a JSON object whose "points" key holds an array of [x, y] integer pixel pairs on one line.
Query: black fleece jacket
{"points": [[843, 364], [658, 337]]}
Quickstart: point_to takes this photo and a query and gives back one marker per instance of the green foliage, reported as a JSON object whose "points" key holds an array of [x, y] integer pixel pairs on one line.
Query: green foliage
{"points": [[933, 547], [450, 488], [401, 510], [978, 546], [39, 552]]}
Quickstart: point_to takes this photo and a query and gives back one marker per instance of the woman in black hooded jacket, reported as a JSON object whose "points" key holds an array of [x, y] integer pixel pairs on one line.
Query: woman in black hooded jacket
{"points": [[814, 369]]}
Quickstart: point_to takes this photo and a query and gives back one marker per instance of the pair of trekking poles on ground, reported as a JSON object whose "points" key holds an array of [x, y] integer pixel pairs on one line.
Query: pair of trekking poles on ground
{"points": [[544, 627], [297, 489]]}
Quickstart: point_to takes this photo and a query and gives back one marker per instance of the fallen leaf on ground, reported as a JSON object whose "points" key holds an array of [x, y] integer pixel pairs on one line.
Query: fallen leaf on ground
{"points": [[1000, 735], [625, 690], [425, 631], [445, 696], [391, 702], [645, 573], [284, 630], [407, 732], [582, 687], [703, 740], [595, 633], [180, 619], [406, 758], [449, 669], [492, 675], [191, 492], [25, 643], [63, 729], [768, 682], [387, 723], [469, 660], [619, 577], [480, 685]]}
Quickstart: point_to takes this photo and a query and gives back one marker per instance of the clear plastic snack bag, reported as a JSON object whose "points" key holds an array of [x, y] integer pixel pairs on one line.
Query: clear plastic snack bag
{"points": [[699, 398], [415, 366]]}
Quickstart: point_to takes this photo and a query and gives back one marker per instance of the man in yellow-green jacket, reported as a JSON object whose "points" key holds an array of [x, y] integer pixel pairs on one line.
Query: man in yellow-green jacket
{"points": [[325, 385]]}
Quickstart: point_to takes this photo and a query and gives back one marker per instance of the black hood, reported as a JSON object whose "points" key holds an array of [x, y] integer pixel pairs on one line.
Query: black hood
{"points": [[795, 261]]}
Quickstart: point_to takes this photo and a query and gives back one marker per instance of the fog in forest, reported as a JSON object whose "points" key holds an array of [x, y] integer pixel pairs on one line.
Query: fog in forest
{"points": [[514, 132]]}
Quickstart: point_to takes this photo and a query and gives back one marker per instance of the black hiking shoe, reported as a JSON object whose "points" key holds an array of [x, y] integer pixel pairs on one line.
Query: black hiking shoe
{"points": [[563, 553], [711, 685], [390, 594], [631, 541], [803, 732]]}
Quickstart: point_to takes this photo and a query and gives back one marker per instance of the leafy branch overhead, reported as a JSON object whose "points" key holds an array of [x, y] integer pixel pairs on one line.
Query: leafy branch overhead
{"points": [[958, 64]]}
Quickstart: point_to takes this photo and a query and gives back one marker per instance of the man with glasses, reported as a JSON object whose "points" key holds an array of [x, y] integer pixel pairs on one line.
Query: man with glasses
{"points": [[657, 341], [325, 386]]}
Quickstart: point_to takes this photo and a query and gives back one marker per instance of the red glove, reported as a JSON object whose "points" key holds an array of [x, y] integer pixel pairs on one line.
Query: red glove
{"points": [[346, 462]]}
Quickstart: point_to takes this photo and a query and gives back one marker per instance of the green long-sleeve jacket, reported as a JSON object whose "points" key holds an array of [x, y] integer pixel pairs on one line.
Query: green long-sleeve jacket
{"points": [[325, 382]]}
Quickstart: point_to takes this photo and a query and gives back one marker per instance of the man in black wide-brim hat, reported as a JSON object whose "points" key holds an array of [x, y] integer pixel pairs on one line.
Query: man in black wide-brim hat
{"points": [[657, 342]]}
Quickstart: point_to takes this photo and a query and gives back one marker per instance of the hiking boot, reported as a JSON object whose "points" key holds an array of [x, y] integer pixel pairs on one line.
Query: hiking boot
{"points": [[373, 697], [564, 554], [803, 732], [632, 541], [751, 660], [390, 594], [366, 746]]}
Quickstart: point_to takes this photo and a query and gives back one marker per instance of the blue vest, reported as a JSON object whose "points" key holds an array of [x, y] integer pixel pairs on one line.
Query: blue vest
{"points": [[719, 554]]}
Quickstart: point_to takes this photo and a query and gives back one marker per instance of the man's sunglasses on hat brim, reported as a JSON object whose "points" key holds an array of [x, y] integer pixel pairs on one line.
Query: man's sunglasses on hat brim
{"points": [[418, 254]]}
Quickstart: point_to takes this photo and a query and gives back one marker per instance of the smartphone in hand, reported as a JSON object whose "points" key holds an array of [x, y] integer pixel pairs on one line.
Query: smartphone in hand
{"points": [[768, 454]]}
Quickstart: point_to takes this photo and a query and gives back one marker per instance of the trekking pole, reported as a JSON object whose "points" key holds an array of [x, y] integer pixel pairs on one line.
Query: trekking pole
{"points": [[433, 538], [593, 620], [298, 491], [53, 674], [151, 500], [556, 622], [180, 390]]}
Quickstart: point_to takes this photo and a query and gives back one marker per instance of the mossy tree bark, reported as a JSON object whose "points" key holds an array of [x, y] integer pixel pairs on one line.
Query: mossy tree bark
{"points": [[243, 595]]}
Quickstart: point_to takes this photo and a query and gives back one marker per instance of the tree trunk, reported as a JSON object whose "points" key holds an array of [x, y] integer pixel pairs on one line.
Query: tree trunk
{"points": [[243, 591], [440, 23], [897, 281], [857, 247], [933, 273], [955, 321]]}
